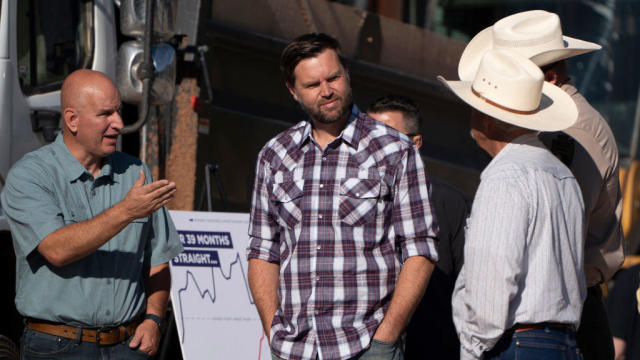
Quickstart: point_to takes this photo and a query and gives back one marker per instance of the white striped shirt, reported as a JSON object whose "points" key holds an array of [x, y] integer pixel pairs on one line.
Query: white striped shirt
{"points": [[523, 256]]}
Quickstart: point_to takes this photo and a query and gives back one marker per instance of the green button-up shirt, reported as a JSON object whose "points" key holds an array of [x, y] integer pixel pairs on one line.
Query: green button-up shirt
{"points": [[48, 189]]}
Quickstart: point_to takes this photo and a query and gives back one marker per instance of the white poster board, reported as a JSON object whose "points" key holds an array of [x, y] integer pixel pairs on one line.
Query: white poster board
{"points": [[214, 311]]}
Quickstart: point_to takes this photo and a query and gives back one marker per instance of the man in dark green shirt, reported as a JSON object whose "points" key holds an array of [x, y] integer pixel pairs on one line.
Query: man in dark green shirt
{"points": [[91, 234]]}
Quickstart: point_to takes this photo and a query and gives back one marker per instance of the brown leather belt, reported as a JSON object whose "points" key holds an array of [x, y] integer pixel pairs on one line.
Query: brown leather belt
{"points": [[543, 325], [108, 336]]}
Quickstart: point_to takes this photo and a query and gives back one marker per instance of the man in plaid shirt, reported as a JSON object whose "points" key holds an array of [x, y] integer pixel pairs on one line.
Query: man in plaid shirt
{"points": [[342, 231]]}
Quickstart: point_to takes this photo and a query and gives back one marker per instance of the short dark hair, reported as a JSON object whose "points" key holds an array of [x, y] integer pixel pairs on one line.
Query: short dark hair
{"points": [[304, 47], [405, 105]]}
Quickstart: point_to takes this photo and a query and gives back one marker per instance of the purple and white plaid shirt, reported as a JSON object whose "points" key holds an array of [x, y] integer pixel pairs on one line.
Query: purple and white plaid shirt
{"points": [[340, 223]]}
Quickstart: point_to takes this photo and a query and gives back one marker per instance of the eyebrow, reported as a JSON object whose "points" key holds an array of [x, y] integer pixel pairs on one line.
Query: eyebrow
{"points": [[108, 110], [337, 73]]}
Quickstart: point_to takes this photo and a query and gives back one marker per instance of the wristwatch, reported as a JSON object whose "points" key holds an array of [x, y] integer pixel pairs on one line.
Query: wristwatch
{"points": [[157, 319]]}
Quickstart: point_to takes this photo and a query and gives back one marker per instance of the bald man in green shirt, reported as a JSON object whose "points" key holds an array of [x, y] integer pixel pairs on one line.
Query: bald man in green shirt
{"points": [[91, 234]]}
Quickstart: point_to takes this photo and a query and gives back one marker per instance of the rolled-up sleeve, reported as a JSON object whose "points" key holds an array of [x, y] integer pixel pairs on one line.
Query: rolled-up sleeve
{"points": [[30, 206], [263, 228], [414, 220]]}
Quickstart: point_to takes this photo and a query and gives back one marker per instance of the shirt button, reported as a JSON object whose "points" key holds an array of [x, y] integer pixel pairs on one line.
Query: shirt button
{"points": [[93, 193], [317, 312], [358, 194], [319, 247], [324, 158], [317, 278], [108, 281], [108, 312], [321, 186], [320, 216]]}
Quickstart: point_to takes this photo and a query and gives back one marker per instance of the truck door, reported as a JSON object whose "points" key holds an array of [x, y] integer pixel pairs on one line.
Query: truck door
{"points": [[41, 42]]}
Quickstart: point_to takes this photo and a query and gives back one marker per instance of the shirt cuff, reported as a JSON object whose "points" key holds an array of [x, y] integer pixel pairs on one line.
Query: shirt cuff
{"points": [[422, 246], [464, 355], [263, 249]]}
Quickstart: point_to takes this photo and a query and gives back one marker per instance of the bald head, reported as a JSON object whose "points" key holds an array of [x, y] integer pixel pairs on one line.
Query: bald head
{"points": [[80, 84], [91, 120]]}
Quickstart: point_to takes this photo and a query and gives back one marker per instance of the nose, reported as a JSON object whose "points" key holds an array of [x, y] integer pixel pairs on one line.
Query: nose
{"points": [[325, 90], [116, 121]]}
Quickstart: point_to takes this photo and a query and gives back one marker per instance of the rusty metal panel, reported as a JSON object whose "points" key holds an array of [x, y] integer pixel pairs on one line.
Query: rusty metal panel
{"points": [[181, 160]]}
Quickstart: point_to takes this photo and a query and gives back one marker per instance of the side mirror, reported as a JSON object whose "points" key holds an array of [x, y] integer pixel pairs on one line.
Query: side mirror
{"points": [[130, 56], [132, 18]]}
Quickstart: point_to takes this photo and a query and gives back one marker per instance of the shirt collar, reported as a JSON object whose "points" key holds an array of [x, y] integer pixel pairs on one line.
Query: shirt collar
{"points": [[72, 166], [569, 88], [350, 134], [530, 139]]}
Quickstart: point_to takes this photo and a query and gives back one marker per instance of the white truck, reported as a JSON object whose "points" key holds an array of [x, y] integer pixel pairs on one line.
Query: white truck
{"points": [[43, 41]]}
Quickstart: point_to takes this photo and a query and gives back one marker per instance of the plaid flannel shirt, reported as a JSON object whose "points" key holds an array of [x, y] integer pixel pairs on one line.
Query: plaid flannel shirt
{"points": [[339, 223]]}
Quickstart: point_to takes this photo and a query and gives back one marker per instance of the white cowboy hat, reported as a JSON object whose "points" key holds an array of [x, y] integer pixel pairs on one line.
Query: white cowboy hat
{"points": [[511, 88], [535, 34]]}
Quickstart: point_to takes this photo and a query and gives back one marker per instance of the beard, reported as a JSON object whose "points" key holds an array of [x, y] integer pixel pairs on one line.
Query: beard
{"points": [[329, 117]]}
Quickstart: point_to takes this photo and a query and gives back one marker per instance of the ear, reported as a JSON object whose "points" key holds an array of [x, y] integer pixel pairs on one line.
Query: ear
{"points": [[417, 139], [488, 124], [70, 118], [292, 90], [551, 76]]}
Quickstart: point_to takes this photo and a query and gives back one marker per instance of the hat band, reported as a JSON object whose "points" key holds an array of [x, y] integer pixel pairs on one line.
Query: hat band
{"points": [[521, 112]]}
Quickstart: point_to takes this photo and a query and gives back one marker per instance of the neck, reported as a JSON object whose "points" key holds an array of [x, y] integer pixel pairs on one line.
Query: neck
{"points": [[90, 162], [324, 133], [494, 146]]}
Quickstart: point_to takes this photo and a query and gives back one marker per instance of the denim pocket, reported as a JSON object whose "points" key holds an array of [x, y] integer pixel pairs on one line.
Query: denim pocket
{"points": [[37, 344], [383, 343], [382, 350], [544, 344]]}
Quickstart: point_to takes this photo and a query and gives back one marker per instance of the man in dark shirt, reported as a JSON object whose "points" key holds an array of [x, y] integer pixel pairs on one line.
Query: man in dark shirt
{"points": [[451, 207], [624, 319]]}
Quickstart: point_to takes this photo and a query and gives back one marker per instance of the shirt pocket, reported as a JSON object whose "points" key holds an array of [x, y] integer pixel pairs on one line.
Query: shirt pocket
{"points": [[287, 200], [358, 200], [138, 230]]}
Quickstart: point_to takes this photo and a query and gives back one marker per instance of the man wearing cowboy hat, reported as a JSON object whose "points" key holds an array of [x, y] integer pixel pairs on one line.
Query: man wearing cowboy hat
{"points": [[521, 288], [588, 148]]}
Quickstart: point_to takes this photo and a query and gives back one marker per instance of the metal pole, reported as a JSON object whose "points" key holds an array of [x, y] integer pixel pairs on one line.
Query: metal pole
{"points": [[146, 72]]}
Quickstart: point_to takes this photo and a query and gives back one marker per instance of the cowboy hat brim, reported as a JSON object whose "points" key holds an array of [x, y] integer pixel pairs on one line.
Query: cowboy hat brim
{"points": [[557, 111], [483, 41]]}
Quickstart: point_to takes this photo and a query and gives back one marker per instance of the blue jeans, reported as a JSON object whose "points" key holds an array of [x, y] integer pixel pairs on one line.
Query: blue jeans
{"points": [[37, 345], [547, 343], [381, 350], [378, 350]]}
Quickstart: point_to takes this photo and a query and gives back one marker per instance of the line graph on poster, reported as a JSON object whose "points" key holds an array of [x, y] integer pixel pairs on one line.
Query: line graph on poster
{"points": [[215, 313], [208, 294]]}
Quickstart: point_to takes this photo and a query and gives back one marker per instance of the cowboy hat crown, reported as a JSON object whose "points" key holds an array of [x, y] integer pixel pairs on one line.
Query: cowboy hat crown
{"points": [[535, 34], [511, 88]]}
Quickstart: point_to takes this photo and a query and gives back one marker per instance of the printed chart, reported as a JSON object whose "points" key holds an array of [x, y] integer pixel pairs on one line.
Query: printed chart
{"points": [[214, 310]]}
